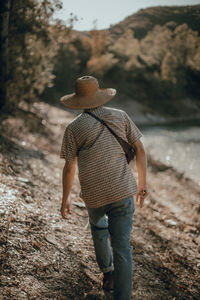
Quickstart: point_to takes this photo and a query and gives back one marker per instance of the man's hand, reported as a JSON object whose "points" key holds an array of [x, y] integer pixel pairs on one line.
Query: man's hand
{"points": [[65, 206], [141, 195], [67, 180], [141, 164]]}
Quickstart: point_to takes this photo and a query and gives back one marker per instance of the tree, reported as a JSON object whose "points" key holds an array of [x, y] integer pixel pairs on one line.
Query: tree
{"points": [[183, 52], [100, 60], [4, 51], [27, 49], [127, 48]]}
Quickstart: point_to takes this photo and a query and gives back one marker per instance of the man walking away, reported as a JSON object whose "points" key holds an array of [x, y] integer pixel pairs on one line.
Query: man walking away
{"points": [[108, 186]]}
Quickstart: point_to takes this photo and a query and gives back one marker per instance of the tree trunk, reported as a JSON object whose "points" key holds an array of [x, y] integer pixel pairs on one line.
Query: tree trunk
{"points": [[4, 51]]}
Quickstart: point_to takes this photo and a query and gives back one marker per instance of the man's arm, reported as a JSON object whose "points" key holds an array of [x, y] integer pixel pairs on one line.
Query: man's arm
{"points": [[67, 181], [141, 164]]}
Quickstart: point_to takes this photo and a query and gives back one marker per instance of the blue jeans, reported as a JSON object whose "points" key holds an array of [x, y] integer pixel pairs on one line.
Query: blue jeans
{"points": [[115, 221]]}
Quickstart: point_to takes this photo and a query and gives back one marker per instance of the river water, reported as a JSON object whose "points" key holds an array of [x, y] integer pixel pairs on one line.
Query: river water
{"points": [[177, 146]]}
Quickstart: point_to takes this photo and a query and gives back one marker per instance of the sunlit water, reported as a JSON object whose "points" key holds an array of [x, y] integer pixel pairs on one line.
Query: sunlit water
{"points": [[175, 146]]}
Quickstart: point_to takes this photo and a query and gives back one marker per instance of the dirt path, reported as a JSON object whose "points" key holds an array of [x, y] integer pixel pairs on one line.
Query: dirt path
{"points": [[45, 257]]}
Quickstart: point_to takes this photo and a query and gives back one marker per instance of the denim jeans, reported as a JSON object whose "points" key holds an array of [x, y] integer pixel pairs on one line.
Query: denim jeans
{"points": [[115, 221]]}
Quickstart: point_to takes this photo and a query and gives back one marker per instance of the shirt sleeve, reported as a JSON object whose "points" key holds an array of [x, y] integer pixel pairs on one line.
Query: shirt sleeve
{"points": [[69, 146], [132, 132]]}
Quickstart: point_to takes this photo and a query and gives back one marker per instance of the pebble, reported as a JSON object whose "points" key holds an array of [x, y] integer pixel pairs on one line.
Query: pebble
{"points": [[171, 222]]}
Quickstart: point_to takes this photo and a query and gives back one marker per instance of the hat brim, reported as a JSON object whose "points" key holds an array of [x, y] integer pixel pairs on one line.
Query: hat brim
{"points": [[101, 97]]}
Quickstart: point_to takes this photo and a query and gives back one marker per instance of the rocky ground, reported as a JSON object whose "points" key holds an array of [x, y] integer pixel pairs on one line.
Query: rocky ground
{"points": [[46, 257]]}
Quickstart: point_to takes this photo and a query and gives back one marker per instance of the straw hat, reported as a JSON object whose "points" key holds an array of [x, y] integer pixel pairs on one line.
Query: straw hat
{"points": [[87, 94]]}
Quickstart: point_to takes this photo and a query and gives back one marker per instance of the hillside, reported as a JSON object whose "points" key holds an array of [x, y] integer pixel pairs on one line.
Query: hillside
{"points": [[145, 19], [152, 57], [46, 257]]}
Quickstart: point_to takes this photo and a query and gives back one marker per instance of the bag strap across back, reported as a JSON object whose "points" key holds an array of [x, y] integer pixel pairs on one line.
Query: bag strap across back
{"points": [[104, 123], [128, 149]]}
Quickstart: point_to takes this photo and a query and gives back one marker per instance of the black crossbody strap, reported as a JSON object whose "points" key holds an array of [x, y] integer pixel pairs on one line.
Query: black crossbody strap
{"points": [[104, 123], [128, 149]]}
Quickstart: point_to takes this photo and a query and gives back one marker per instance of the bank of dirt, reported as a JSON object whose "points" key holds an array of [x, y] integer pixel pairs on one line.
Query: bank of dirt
{"points": [[45, 257]]}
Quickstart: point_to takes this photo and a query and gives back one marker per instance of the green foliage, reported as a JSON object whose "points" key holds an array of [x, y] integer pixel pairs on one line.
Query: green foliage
{"points": [[31, 49], [158, 65], [70, 63], [155, 69]]}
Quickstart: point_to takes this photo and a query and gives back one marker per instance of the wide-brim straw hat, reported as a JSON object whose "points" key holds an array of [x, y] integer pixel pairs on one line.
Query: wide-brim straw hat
{"points": [[87, 94]]}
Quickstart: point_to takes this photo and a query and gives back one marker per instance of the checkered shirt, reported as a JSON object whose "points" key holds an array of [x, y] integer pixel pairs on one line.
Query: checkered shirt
{"points": [[104, 174]]}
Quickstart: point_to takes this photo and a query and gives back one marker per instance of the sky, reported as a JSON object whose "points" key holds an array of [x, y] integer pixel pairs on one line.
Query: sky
{"points": [[100, 14]]}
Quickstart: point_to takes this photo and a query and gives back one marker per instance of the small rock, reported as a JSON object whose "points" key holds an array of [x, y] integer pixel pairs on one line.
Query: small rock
{"points": [[19, 162], [171, 222], [22, 179], [29, 199], [51, 239]]}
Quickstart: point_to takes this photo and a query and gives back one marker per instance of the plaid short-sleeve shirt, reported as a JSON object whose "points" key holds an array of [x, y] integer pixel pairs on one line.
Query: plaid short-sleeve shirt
{"points": [[104, 174]]}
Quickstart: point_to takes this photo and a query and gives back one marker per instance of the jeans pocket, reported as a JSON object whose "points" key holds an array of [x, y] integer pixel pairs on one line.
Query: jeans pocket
{"points": [[131, 205], [122, 207]]}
